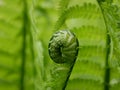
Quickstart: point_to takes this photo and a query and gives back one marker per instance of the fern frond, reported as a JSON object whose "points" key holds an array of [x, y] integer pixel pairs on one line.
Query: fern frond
{"points": [[111, 16], [87, 38], [85, 11], [63, 5], [84, 83], [88, 77]]}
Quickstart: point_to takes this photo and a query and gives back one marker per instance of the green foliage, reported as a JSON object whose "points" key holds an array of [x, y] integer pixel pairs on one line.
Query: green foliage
{"points": [[26, 27], [77, 12], [97, 27], [84, 20], [111, 15], [16, 51]]}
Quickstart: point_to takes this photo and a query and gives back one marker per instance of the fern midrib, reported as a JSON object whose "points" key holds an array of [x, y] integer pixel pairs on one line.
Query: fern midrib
{"points": [[25, 24], [108, 48], [107, 71], [69, 73]]}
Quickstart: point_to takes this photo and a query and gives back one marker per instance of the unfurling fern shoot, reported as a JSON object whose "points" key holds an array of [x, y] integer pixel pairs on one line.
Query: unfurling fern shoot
{"points": [[63, 47]]}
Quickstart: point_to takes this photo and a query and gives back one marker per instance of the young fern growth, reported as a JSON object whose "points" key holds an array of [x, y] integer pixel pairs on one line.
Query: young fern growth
{"points": [[63, 50], [63, 47], [88, 53]]}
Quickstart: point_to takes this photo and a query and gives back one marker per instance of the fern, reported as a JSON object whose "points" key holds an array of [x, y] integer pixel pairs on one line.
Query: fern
{"points": [[112, 17], [76, 12], [63, 5], [24, 60], [83, 32], [96, 48]]}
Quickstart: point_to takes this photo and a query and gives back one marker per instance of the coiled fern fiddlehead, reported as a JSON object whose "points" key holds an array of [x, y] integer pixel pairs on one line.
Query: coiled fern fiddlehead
{"points": [[63, 47], [63, 50]]}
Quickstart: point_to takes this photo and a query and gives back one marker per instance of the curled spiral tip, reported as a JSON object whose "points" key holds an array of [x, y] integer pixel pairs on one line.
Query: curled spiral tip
{"points": [[63, 47]]}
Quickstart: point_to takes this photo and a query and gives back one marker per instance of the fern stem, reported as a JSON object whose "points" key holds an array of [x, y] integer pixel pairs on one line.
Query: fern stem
{"points": [[69, 73], [107, 70], [108, 50], [33, 55], [25, 23]]}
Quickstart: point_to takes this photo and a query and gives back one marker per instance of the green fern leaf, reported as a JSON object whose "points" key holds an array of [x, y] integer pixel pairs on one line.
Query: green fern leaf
{"points": [[84, 11], [111, 14]]}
